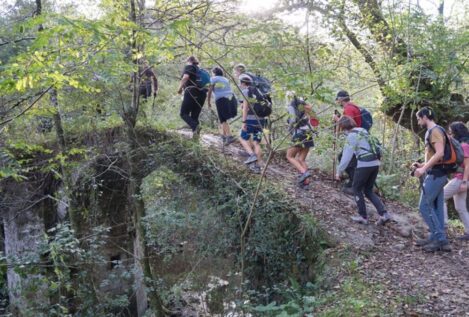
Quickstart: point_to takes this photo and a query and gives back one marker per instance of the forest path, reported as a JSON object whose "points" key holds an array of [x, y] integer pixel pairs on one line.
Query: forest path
{"points": [[425, 284]]}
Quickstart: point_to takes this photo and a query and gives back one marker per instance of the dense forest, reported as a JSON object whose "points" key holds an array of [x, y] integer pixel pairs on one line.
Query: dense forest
{"points": [[111, 206]]}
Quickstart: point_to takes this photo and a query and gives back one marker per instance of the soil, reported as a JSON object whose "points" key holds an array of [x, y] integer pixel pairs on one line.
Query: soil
{"points": [[434, 284]]}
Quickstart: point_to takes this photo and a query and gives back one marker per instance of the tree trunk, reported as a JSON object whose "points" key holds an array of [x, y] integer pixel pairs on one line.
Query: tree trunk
{"points": [[24, 230], [136, 203]]}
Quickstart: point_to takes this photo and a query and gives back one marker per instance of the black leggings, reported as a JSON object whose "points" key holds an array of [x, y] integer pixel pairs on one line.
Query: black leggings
{"points": [[192, 104], [363, 182]]}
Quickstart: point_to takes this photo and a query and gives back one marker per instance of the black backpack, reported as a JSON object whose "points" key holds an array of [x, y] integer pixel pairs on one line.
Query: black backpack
{"points": [[300, 119], [260, 104], [261, 83]]}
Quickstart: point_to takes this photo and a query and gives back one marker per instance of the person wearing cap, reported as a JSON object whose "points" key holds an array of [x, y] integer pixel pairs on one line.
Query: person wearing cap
{"points": [[252, 129], [351, 110]]}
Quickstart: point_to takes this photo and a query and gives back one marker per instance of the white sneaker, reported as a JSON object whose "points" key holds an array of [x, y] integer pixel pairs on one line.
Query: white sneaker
{"points": [[251, 159], [360, 219]]}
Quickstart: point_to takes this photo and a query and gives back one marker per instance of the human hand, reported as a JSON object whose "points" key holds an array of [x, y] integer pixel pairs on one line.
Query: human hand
{"points": [[463, 186], [337, 177], [244, 127], [419, 172]]}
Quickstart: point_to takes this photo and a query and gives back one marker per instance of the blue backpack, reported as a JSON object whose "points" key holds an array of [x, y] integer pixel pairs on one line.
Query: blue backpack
{"points": [[367, 119], [203, 78]]}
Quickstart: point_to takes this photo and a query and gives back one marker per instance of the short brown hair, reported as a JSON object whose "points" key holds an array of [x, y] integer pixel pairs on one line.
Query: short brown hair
{"points": [[193, 60], [346, 123]]}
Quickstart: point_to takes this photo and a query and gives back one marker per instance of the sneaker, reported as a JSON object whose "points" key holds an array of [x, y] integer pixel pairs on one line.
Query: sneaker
{"points": [[360, 219], [304, 176], [251, 159], [229, 139], [437, 246], [464, 237], [422, 242], [385, 218], [256, 169]]}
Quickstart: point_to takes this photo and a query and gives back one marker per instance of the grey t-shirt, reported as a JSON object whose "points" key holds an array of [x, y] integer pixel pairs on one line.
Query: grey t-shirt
{"points": [[221, 87], [356, 143]]}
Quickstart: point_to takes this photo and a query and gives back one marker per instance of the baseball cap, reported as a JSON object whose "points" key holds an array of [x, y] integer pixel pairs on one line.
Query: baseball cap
{"points": [[342, 94]]}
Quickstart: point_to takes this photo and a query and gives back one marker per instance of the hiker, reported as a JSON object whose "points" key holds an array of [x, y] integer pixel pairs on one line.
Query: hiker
{"points": [[238, 70], [260, 82], [194, 97], [457, 186], [432, 195], [302, 138], [225, 101], [148, 80], [252, 127], [351, 110], [358, 145]]}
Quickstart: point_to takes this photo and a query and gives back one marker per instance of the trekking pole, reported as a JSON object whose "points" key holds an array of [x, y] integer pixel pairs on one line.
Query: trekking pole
{"points": [[153, 104]]}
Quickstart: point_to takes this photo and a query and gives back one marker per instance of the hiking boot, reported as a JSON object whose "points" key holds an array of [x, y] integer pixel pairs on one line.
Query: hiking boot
{"points": [[437, 246], [304, 176], [251, 159], [360, 219], [229, 139], [385, 218], [422, 242], [464, 237]]}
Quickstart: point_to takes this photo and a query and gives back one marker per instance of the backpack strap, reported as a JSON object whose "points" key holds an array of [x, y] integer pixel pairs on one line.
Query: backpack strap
{"points": [[367, 136]]}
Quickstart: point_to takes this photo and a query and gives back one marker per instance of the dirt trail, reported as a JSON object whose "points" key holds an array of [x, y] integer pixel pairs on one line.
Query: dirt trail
{"points": [[435, 284]]}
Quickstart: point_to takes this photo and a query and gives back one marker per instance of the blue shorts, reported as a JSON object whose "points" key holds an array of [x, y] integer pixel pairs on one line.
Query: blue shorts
{"points": [[253, 128]]}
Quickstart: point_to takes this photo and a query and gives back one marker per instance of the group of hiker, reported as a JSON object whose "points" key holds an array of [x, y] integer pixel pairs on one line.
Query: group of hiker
{"points": [[361, 155]]}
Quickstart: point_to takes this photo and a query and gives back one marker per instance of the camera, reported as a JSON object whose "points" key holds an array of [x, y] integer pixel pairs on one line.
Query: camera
{"points": [[413, 168]]}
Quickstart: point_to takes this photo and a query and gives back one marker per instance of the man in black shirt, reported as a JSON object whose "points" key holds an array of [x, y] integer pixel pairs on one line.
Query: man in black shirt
{"points": [[148, 81]]}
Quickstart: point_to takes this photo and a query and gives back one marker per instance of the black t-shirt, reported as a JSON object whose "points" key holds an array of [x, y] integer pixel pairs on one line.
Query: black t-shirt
{"points": [[190, 70], [146, 76]]}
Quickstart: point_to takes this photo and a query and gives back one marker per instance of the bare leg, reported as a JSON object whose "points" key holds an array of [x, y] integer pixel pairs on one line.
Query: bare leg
{"points": [[226, 129], [258, 151], [291, 157], [247, 146], [303, 153]]}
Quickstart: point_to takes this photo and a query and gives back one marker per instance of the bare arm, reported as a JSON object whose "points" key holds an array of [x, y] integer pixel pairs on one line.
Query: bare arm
{"points": [[439, 153], [465, 176], [184, 80], [245, 113], [209, 95]]}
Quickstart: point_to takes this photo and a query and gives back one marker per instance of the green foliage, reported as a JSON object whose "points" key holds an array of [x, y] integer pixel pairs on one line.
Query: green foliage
{"points": [[194, 206]]}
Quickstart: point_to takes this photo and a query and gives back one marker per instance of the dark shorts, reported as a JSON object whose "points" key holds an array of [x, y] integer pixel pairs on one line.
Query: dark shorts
{"points": [[227, 108], [254, 128], [303, 139]]}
